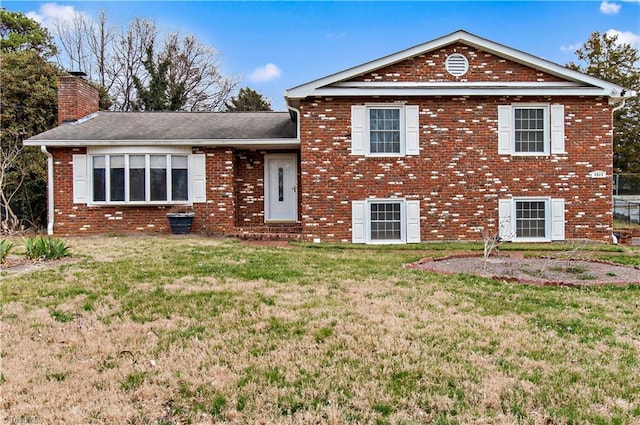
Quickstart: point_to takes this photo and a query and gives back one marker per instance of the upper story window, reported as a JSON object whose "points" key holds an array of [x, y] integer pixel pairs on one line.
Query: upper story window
{"points": [[384, 130], [131, 176], [530, 129]]}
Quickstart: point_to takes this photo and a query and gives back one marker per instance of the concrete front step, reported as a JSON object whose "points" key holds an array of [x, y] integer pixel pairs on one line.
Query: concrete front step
{"points": [[271, 233]]}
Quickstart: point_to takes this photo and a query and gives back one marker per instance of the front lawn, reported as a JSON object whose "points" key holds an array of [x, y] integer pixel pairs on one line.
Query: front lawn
{"points": [[165, 330]]}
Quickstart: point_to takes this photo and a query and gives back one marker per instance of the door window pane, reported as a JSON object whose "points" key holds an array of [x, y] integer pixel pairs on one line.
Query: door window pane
{"points": [[158, 178]]}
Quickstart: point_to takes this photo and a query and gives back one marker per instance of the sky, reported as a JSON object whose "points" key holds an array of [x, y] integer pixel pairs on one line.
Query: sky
{"points": [[273, 46]]}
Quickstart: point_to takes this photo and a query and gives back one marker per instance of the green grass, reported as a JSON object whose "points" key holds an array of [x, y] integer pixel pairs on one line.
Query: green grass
{"points": [[190, 330]]}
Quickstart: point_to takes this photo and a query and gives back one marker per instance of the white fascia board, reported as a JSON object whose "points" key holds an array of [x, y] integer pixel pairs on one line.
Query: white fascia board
{"points": [[235, 143], [469, 91], [500, 50]]}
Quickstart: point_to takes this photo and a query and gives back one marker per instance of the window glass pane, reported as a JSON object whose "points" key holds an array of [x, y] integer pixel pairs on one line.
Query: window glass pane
{"points": [[158, 177], [99, 181], [116, 178], [179, 162], [179, 178], [384, 130], [531, 219], [137, 178], [385, 222]]}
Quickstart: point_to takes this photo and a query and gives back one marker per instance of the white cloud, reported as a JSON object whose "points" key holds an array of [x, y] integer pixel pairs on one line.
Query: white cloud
{"points": [[571, 48], [625, 37], [609, 8], [265, 73], [51, 13]]}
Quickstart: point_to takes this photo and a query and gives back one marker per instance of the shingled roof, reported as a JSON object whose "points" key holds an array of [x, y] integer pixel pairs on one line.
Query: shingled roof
{"points": [[158, 128]]}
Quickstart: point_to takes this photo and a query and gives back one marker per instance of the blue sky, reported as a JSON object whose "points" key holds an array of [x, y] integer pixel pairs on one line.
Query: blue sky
{"points": [[273, 46]]}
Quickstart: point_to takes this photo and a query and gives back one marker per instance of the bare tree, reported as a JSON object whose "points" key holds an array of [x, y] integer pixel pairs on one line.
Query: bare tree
{"points": [[129, 52], [195, 69], [9, 156], [114, 58]]}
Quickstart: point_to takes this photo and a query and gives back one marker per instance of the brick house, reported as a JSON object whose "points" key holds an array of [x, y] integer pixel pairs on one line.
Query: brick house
{"points": [[442, 141]]}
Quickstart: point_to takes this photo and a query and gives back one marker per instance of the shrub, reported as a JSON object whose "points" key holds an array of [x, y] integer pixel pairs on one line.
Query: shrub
{"points": [[45, 248], [5, 247]]}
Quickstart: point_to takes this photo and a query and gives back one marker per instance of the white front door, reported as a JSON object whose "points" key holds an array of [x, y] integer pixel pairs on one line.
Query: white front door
{"points": [[281, 187]]}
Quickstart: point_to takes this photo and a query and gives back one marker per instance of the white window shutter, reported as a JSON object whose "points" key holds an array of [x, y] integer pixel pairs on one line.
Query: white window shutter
{"points": [[357, 129], [557, 219], [412, 118], [504, 129], [557, 129], [413, 221], [359, 221], [198, 178], [80, 185], [505, 219]]}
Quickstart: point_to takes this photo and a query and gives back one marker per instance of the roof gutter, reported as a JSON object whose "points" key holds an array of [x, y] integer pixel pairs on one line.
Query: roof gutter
{"points": [[50, 192]]}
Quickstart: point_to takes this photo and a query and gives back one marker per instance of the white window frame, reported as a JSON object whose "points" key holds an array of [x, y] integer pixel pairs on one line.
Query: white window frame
{"points": [[401, 130], [553, 129], [83, 175], [409, 221], [554, 219], [361, 129]]}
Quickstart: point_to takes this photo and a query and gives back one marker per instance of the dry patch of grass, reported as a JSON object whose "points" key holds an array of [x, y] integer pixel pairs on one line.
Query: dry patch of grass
{"points": [[194, 330]]}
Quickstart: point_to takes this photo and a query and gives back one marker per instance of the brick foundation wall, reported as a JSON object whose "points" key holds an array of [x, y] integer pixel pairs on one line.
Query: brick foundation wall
{"points": [[76, 98], [458, 176]]}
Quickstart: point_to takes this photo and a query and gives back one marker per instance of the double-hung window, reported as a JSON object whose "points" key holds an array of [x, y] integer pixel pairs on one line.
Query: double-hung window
{"points": [[531, 219], [530, 129], [385, 221], [120, 177], [384, 130]]}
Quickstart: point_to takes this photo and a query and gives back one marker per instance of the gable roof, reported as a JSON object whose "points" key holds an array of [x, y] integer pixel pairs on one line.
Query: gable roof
{"points": [[246, 129], [576, 83]]}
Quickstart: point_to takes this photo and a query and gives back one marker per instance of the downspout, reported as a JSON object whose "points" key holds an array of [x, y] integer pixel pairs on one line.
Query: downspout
{"points": [[297, 111], [50, 200], [615, 238]]}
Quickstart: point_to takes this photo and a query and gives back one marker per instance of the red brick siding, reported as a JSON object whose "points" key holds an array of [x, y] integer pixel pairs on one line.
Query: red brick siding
{"points": [[76, 99], [217, 215], [458, 176], [483, 66]]}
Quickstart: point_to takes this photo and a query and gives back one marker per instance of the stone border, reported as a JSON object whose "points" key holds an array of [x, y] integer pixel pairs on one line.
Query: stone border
{"points": [[422, 265]]}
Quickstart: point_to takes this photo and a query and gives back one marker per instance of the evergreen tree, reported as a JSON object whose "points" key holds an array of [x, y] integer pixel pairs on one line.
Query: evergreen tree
{"points": [[248, 100], [28, 106], [603, 57]]}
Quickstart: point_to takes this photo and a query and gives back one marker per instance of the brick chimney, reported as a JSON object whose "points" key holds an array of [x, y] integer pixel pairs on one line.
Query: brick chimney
{"points": [[76, 98]]}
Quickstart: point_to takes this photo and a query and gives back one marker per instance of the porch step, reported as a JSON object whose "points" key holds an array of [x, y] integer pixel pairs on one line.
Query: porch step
{"points": [[268, 233]]}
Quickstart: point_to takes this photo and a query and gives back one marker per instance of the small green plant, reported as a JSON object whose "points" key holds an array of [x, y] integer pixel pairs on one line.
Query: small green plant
{"points": [[46, 248], [5, 247]]}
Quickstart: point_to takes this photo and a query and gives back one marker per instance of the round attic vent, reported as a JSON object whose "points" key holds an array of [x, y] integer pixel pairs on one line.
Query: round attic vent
{"points": [[456, 64]]}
